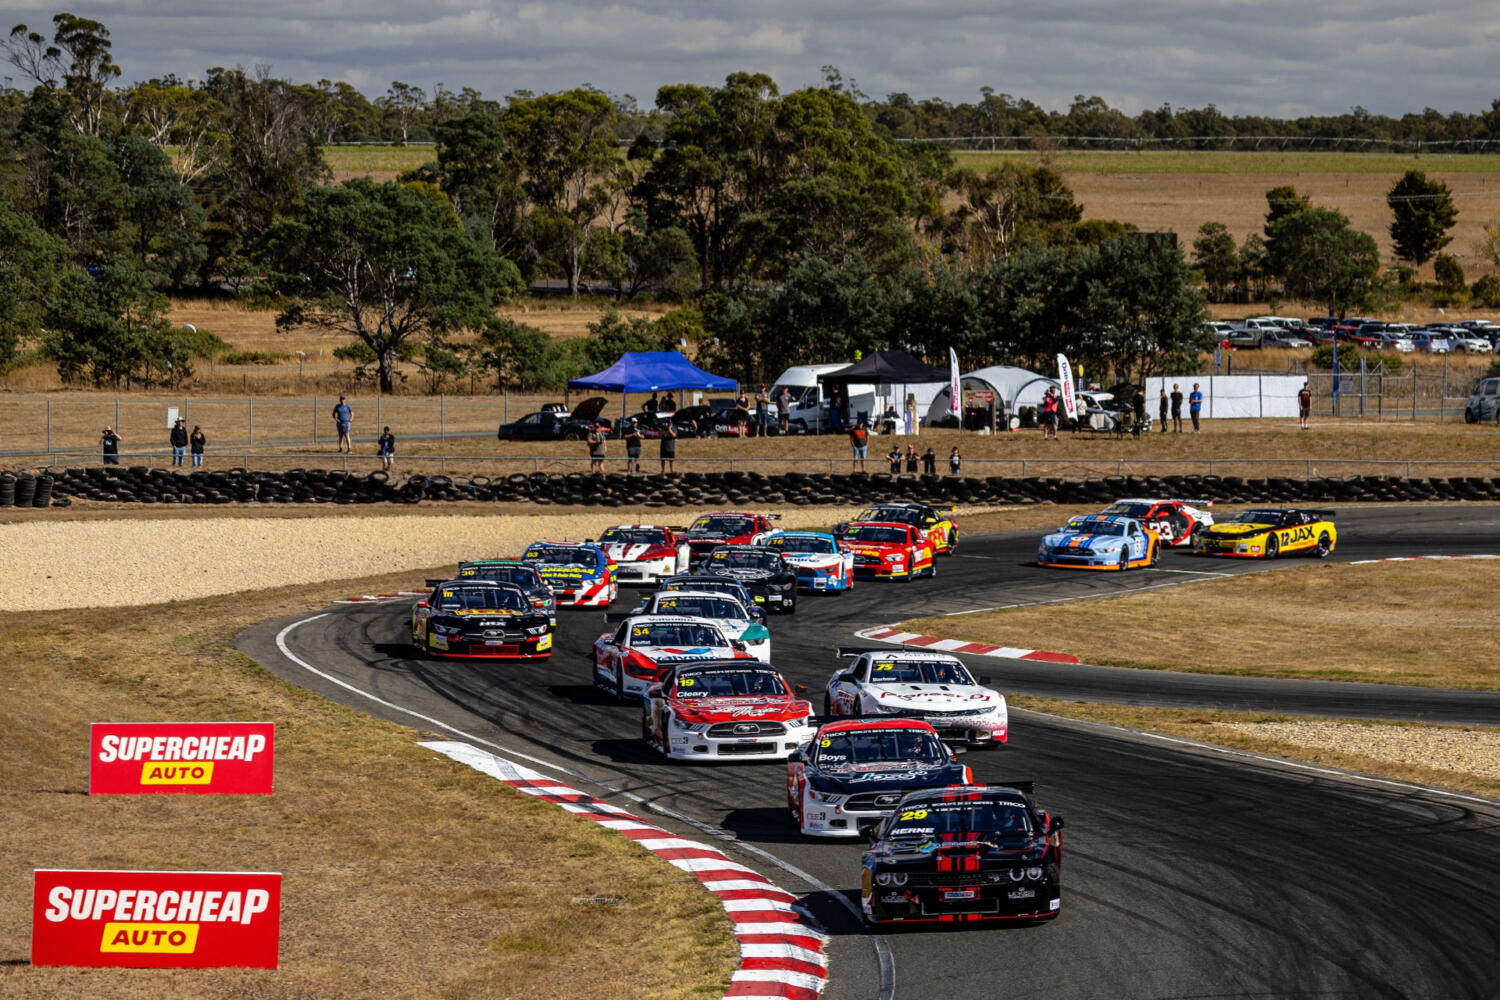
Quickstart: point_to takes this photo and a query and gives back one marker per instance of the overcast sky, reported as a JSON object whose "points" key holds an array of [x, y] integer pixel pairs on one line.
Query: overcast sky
{"points": [[1270, 57]]}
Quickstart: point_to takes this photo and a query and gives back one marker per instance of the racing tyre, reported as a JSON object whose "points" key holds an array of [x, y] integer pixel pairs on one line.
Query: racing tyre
{"points": [[932, 569], [619, 682], [1273, 547], [1155, 554], [952, 541], [1124, 560], [1325, 546]]}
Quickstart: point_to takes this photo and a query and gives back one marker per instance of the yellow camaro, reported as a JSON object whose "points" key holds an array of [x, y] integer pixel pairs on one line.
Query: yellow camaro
{"points": [[1267, 532]]}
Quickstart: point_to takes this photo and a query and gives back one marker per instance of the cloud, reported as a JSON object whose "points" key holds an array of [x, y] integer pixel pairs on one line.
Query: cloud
{"points": [[1278, 57]]}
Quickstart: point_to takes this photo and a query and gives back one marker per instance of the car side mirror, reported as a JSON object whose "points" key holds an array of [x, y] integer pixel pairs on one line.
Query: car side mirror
{"points": [[1055, 823], [737, 644], [796, 757], [984, 678], [800, 688], [422, 604], [868, 828]]}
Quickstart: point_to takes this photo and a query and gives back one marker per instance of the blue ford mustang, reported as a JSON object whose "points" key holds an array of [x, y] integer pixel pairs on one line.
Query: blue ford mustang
{"points": [[1100, 541]]}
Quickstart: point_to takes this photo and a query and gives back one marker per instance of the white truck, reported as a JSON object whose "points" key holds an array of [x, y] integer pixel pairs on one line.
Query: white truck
{"points": [[809, 399]]}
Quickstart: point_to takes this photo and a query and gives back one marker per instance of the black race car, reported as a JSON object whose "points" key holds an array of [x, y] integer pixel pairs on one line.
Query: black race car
{"points": [[963, 854], [712, 583], [522, 574], [480, 618], [769, 578], [555, 425], [856, 770]]}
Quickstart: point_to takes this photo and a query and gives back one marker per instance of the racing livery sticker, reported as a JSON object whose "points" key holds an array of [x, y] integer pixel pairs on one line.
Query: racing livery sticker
{"points": [[207, 758], [156, 920]]}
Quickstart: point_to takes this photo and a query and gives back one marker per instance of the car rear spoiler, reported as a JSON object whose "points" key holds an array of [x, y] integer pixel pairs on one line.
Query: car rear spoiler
{"points": [[615, 617], [844, 652], [1025, 787], [1323, 513]]}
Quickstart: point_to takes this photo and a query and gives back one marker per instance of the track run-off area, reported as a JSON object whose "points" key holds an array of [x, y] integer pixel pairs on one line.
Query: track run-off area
{"points": [[1189, 870]]}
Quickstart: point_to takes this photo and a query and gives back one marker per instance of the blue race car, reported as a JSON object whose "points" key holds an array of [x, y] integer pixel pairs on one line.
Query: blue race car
{"points": [[815, 557], [580, 574], [1100, 541]]}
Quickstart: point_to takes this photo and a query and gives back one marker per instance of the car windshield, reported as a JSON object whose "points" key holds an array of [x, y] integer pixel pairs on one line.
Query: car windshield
{"points": [[714, 524], [1127, 509], [480, 599], [743, 558], [899, 514], [1257, 517], [976, 819], [560, 555], [803, 543], [873, 746], [728, 684], [865, 533], [634, 536], [676, 634], [919, 672], [701, 607], [521, 576], [1093, 527]]}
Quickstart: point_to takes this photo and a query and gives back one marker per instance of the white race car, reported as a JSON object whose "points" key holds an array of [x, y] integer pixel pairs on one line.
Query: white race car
{"points": [[645, 553], [815, 557], [1174, 521], [730, 615], [636, 653], [724, 711], [916, 684]]}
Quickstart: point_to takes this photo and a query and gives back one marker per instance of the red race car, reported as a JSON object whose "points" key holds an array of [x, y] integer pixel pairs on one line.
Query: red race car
{"points": [[717, 710], [725, 528], [888, 549]]}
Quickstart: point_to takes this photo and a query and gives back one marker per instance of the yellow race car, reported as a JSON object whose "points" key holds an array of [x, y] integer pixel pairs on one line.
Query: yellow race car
{"points": [[1267, 532]]}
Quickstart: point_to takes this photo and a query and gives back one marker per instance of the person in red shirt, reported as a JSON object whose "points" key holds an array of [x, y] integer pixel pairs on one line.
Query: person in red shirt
{"points": [[1049, 415], [859, 438]]}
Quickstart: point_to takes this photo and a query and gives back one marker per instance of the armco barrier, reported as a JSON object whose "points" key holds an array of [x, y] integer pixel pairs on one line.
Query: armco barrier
{"points": [[138, 484]]}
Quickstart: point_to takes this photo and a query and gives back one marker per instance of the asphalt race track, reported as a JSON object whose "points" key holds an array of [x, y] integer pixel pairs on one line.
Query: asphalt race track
{"points": [[1190, 872]]}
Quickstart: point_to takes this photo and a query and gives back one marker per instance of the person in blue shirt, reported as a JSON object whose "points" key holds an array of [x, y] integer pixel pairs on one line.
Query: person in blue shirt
{"points": [[1195, 405], [343, 416]]}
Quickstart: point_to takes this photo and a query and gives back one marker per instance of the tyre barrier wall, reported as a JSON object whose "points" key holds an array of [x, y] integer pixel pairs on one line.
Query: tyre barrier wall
{"points": [[138, 484]]}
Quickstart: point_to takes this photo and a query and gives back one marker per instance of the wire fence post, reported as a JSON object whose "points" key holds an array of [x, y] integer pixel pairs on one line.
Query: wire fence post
{"points": [[315, 419], [252, 418], [1413, 393], [49, 423], [442, 425]]}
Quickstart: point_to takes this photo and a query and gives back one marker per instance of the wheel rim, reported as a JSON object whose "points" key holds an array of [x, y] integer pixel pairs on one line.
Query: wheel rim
{"points": [[1325, 544], [1273, 547]]}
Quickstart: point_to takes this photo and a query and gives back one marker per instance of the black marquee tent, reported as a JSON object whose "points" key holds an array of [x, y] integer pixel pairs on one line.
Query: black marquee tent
{"points": [[885, 368]]}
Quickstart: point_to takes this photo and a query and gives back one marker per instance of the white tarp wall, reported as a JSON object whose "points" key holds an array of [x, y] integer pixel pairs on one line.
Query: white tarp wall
{"points": [[1230, 396]]}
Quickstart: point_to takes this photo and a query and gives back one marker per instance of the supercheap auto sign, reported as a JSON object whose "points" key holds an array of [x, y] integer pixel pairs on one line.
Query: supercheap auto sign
{"points": [[156, 920], [137, 758]]}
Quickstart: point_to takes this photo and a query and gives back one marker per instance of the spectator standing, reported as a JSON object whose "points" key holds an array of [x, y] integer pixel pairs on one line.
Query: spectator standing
{"points": [[651, 405], [742, 414], [109, 443], [836, 410], [762, 411], [1195, 405], [859, 439], [1304, 405], [632, 447], [596, 449], [668, 445], [783, 409], [929, 462], [343, 419], [911, 459], [955, 462], [1161, 409], [386, 449], [1138, 404], [910, 413], [1176, 408], [895, 459], [668, 403], [1049, 415], [179, 439], [196, 441]]}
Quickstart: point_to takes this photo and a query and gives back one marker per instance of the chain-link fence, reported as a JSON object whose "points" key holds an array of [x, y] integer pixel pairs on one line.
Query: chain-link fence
{"points": [[1416, 392]]}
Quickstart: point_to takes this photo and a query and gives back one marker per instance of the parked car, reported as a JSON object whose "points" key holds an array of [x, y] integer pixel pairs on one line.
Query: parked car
{"points": [[1393, 341], [1283, 340], [549, 424], [1463, 339], [1484, 401], [1245, 336], [1432, 343]]}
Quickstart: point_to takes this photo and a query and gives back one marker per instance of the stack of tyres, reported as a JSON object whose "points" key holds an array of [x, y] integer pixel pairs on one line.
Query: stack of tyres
{"points": [[7, 490], [25, 490], [43, 497]]}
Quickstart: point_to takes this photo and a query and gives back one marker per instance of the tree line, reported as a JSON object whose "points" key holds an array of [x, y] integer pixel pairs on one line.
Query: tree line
{"points": [[788, 226]]}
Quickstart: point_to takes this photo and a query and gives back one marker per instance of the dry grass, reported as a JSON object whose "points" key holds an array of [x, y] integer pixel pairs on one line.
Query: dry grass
{"points": [[1422, 623], [418, 878], [1396, 744]]}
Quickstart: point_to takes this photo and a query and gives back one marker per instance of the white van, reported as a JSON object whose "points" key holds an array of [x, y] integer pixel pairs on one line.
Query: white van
{"points": [[809, 412]]}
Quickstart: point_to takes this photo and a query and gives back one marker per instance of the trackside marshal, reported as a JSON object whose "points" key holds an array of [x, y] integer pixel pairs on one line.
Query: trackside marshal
{"points": [[156, 920], [138, 758]]}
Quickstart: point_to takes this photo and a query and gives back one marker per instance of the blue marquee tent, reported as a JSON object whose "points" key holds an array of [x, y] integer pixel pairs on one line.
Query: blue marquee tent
{"points": [[651, 371]]}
